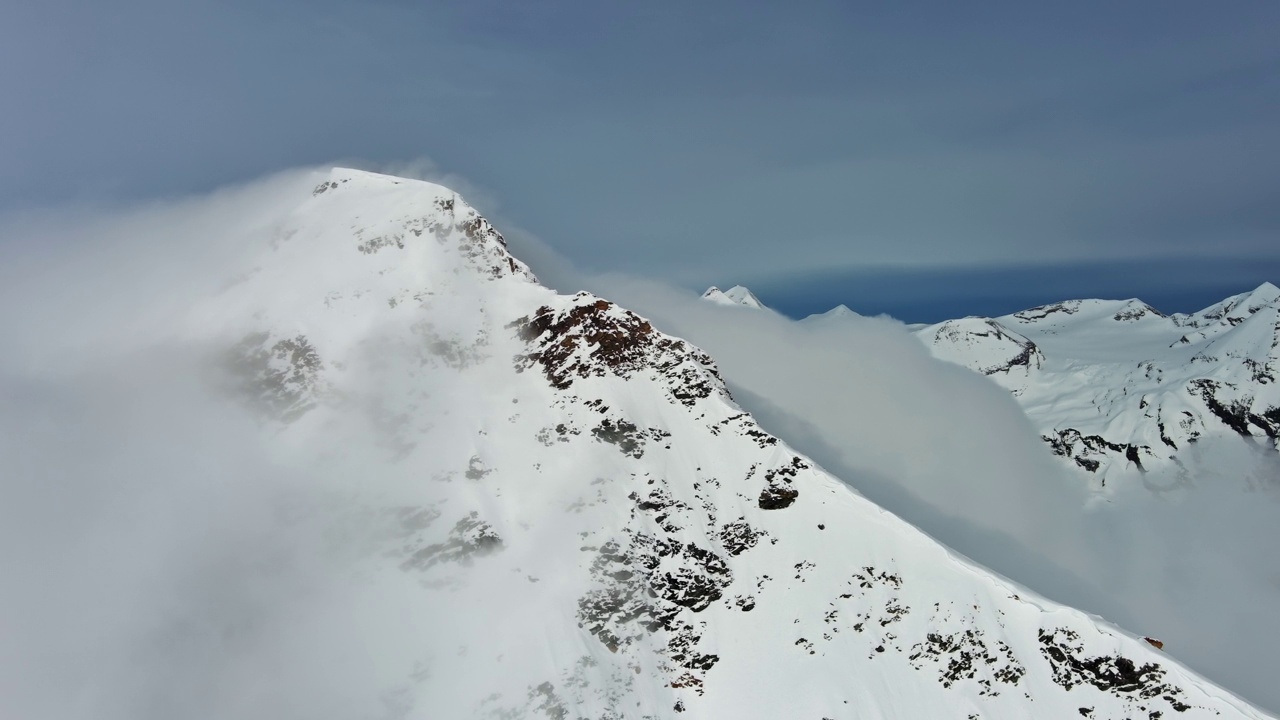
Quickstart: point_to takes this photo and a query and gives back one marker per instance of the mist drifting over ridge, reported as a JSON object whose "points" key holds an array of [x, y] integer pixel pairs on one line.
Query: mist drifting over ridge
{"points": [[152, 490]]}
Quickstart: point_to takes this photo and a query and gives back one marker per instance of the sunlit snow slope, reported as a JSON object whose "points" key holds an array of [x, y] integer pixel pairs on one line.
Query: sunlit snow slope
{"points": [[1117, 385], [593, 528]]}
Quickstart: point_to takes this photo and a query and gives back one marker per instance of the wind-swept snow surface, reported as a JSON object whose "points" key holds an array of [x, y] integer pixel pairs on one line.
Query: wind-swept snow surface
{"points": [[540, 505]]}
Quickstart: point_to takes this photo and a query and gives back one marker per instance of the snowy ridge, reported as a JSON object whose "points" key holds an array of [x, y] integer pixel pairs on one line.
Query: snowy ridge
{"points": [[986, 346], [835, 314], [1118, 384], [736, 295], [595, 529], [1232, 310]]}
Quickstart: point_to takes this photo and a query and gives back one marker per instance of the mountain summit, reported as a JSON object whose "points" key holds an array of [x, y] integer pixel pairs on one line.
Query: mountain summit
{"points": [[736, 295], [590, 526]]}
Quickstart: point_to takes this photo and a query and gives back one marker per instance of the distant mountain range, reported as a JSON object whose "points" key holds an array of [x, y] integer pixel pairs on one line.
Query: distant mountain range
{"points": [[1116, 384]]}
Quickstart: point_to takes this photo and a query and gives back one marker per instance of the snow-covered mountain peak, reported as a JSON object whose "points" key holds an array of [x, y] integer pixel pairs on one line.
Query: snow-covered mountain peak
{"points": [[358, 245], [986, 346], [1133, 310], [344, 175], [835, 314], [1234, 309], [1074, 313], [590, 525], [1266, 293], [736, 295]]}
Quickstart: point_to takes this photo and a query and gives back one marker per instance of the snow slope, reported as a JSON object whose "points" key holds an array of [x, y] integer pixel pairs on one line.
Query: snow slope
{"points": [[1116, 385], [589, 526], [1164, 422], [837, 314]]}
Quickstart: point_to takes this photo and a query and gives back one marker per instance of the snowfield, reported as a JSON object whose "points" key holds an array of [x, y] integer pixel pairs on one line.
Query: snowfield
{"points": [[1115, 385]]}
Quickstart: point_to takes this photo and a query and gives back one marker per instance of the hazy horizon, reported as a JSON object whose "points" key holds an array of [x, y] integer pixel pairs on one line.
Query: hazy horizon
{"points": [[708, 144]]}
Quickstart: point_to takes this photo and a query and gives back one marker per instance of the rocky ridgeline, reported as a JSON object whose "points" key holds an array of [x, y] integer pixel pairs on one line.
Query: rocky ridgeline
{"points": [[598, 529]]}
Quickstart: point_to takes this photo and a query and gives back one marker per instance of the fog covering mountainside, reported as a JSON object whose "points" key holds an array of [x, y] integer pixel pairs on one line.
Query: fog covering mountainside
{"points": [[1168, 540], [1158, 412], [1170, 417], [370, 467]]}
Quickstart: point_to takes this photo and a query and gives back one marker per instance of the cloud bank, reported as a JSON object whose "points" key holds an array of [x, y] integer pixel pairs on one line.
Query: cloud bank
{"points": [[161, 556]]}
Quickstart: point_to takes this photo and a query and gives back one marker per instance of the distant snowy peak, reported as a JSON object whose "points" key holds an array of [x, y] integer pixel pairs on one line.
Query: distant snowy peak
{"points": [[1118, 384], [717, 296], [743, 296], [983, 345], [736, 295], [1073, 312], [835, 314], [1234, 309]]}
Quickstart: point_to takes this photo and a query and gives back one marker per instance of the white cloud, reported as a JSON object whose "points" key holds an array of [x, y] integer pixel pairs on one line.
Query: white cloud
{"points": [[146, 572]]}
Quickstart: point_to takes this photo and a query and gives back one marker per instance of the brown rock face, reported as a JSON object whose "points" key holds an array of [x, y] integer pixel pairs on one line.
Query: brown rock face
{"points": [[595, 338]]}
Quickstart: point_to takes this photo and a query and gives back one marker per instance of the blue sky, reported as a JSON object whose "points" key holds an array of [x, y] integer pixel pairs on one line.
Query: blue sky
{"points": [[812, 150]]}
